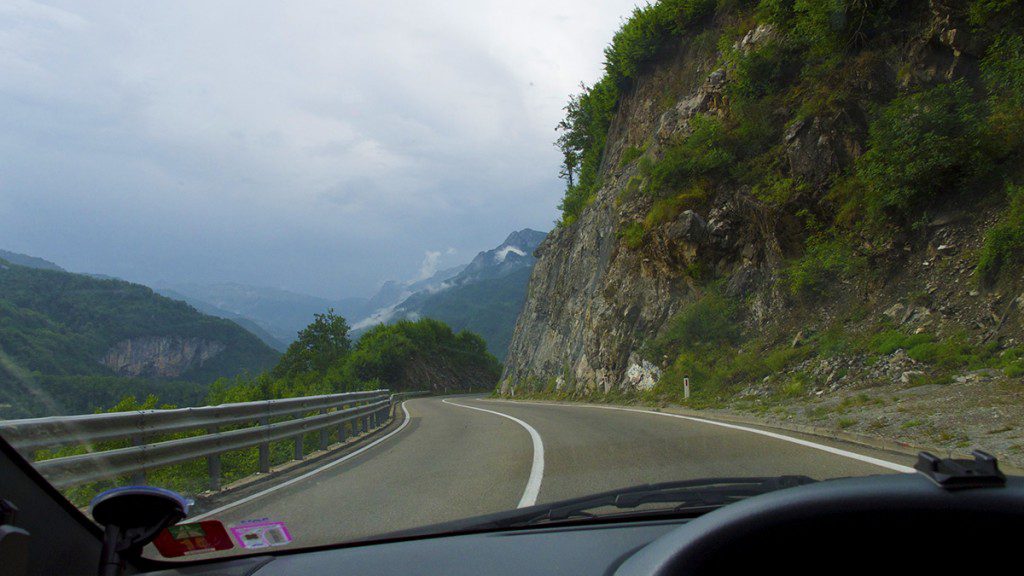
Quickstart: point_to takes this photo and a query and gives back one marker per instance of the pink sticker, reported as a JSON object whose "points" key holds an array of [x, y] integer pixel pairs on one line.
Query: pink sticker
{"points": [[261, 534]]}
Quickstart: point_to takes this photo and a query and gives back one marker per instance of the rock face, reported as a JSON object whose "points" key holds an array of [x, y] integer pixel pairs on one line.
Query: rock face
{"points": [[159, 356], [590, 302], [593, 301]]}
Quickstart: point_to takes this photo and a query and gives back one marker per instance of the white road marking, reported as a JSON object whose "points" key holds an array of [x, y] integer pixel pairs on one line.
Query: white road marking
{"points": [[331, 464], [838, 451], [536, 470]]}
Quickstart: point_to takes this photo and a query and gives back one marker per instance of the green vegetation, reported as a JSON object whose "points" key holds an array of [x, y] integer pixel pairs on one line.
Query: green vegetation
{"points": [[55, 327], [921, 147], [666, 209], [422, 355], [701, 154], [646, 32], [488, 307], [319, 346], [1004, 242], [629, 155], [825, 261], [584, 132], [588, 115], [633, 234]]}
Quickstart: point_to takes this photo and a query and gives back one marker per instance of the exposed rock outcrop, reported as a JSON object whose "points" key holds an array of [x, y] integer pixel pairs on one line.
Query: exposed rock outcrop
{"points": [[160, 356]]}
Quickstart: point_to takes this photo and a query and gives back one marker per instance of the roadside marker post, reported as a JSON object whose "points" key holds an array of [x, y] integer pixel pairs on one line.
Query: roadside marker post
{"points": [[686, 388]]}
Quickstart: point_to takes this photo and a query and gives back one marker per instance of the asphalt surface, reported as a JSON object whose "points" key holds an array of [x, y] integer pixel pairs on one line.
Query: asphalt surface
{"points": [[450, 462]]}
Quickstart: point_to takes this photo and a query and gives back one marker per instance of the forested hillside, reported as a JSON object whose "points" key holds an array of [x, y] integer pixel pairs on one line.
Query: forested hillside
{"points": [[72, 343]]}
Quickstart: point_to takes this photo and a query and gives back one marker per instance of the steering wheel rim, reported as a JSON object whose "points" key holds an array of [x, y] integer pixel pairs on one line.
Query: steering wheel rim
{"points": [[705, 543]]}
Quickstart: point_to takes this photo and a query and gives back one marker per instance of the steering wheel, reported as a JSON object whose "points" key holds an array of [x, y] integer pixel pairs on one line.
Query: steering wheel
{"points": [[878, 524]]}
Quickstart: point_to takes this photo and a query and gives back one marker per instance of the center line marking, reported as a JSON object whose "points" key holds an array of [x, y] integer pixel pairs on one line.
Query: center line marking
{"points": [[536, 470]]}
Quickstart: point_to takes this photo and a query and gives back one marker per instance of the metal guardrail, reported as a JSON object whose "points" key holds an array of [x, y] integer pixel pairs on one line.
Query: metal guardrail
{"points": [[361, 411]]}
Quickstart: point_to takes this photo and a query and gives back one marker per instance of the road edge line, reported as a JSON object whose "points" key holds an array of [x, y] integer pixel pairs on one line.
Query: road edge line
{"points": [[537, 467], [806, 443], [312, 472]]}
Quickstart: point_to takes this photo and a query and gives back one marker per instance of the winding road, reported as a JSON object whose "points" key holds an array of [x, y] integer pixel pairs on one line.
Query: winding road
{"points": [[458, 457]]}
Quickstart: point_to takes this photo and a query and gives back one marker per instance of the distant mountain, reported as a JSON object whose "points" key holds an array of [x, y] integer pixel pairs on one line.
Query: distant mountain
{"points": [[381, 306], [29, 261], [280, 313], [73, 343], [515, 253], [247, 323], [485, 296]]}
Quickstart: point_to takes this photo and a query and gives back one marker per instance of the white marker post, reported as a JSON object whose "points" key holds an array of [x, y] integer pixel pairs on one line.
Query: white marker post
{"points": [[686, 388]]}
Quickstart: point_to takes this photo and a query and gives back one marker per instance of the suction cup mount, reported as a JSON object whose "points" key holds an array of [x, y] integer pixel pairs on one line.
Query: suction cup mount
{"points": [[132, 516]]}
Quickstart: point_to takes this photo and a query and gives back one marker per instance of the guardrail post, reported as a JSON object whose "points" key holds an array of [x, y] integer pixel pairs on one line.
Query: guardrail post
{"points": [[298, 448], [139, 476], [213, 464], [265, 449]]}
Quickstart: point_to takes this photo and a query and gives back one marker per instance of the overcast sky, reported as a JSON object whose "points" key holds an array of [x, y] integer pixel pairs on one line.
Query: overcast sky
{"points": [[317, 146]]}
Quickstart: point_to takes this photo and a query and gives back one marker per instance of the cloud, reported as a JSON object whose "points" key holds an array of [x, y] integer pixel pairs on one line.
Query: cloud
{"points": [[429, 266], [500, 255], [314, 146]]}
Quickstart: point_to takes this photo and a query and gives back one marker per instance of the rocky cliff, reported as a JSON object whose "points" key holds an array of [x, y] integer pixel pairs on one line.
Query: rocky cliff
{"points": [[609, 281], [160, 356]]}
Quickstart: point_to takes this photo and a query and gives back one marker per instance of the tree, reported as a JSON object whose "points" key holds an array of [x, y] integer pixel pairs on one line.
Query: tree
{"points": [[319, 346]]}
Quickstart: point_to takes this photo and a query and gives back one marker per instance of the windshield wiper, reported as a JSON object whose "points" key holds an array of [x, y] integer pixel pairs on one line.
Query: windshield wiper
{"points": [[692, 496]]}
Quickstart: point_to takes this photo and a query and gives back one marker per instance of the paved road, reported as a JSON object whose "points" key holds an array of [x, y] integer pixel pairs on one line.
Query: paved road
{"points": [[458, 457]]}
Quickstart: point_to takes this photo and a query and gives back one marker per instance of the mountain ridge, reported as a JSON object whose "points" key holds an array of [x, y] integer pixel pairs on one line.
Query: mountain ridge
{"points": [[81, 343], [483, 296]]}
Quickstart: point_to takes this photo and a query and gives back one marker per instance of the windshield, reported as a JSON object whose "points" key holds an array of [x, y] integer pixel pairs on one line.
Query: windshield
{"points": [[337, 270]]}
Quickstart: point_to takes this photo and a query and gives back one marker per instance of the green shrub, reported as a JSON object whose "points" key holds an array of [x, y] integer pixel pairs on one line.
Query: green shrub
{"points": [[952, 352], [922, 146], [780, 358], [889, 341], [703, 152], [827, 260], [995, 16], [1012, 361], [666, 209], [633, 235], [646, 31], [1003, 69], [1003, 74], [796, 386], [709, 321], [1004, 243], [760, 72], [779, 190], [631, 154], [779, 13], [828, 28]]}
